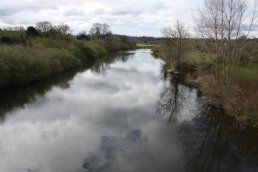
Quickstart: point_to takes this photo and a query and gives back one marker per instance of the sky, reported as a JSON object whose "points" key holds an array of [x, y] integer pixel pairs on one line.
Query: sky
{"points": [[129, 17]]}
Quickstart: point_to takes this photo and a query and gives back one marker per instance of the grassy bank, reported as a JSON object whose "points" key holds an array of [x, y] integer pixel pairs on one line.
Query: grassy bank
{"points": [[24, 58], [237, 93], [143, 46], [19, 65]]}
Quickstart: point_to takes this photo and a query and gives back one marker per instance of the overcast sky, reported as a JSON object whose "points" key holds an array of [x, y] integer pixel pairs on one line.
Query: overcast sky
{"points": [[130, 17]]}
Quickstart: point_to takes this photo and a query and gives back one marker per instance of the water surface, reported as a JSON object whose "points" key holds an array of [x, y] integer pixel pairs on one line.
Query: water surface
{"points": [[122, 114]]}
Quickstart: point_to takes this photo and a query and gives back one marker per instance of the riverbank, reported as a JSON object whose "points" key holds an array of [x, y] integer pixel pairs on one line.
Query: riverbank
{"points": [[145, 46], [42, 57], [238, 95]]}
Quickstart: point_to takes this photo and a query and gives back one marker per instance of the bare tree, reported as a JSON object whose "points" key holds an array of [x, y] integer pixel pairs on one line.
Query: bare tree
{"points": [[99, 29], [64, 29], [220, 23], [176, 42], [169, 103], [44, 27], [105, 29]]}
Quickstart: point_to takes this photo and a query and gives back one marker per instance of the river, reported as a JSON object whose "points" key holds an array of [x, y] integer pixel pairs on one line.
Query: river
{"points": [[122, 114]]}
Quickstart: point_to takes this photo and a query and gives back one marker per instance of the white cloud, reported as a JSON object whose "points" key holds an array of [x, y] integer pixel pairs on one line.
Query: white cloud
{"points": [[132, 17]]}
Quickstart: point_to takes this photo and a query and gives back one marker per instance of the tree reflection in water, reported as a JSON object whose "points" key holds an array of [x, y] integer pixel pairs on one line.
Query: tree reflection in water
{"points": [[168, 104], [200, 137], [14, 98], [103, 66], [212, 141]]}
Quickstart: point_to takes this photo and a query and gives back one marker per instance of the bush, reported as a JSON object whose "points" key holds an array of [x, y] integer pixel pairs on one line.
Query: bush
{"points": [[112, 44], [92, 49], [19, 65], [45, 42], [31, 32], [6, 40]]}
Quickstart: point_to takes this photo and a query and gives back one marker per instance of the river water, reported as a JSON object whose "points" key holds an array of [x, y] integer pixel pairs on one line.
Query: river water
{"points": [[122, 114]]}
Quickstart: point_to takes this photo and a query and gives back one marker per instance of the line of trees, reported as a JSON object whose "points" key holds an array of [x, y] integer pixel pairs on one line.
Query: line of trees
{"points": [[19, 35]]}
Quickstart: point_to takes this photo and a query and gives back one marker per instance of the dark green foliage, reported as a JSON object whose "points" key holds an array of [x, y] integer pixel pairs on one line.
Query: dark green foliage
{"points": [[83, 36], [92, 49], [113, 44], [126, 40], [31, 32], [6, 40], [19, 65]]}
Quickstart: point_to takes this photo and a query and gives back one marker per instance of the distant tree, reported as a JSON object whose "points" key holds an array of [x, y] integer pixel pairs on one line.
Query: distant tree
{"points": [[59, 31], [100, 30], [96, 29], [18, 28], [64, 29], [83, 36], [44, 27], [244, 37], [31, 32], [127, 41], [54, 32], [105, 29]]}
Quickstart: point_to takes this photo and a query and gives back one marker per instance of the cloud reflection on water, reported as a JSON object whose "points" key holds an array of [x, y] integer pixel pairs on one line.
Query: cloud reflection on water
{"points": [[59, 132], [104, 119]]}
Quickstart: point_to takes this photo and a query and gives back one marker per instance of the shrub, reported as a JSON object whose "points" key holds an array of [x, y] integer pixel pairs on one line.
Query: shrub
{"points": [[19, 65], [113, 44], [31, 32], [6, 40], [92, 49]]}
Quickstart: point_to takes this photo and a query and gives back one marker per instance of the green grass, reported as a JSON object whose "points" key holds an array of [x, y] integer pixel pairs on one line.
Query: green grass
{"points": [[82, 49], [145, 46], [250, 118], [247, 73], [196, 57]]}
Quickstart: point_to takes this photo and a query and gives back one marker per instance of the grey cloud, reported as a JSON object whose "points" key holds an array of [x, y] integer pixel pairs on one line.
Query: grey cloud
{"points": [[99, 12], [160, 6], [8, 8], [5, 12], [73, 12], [126, 12]]}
